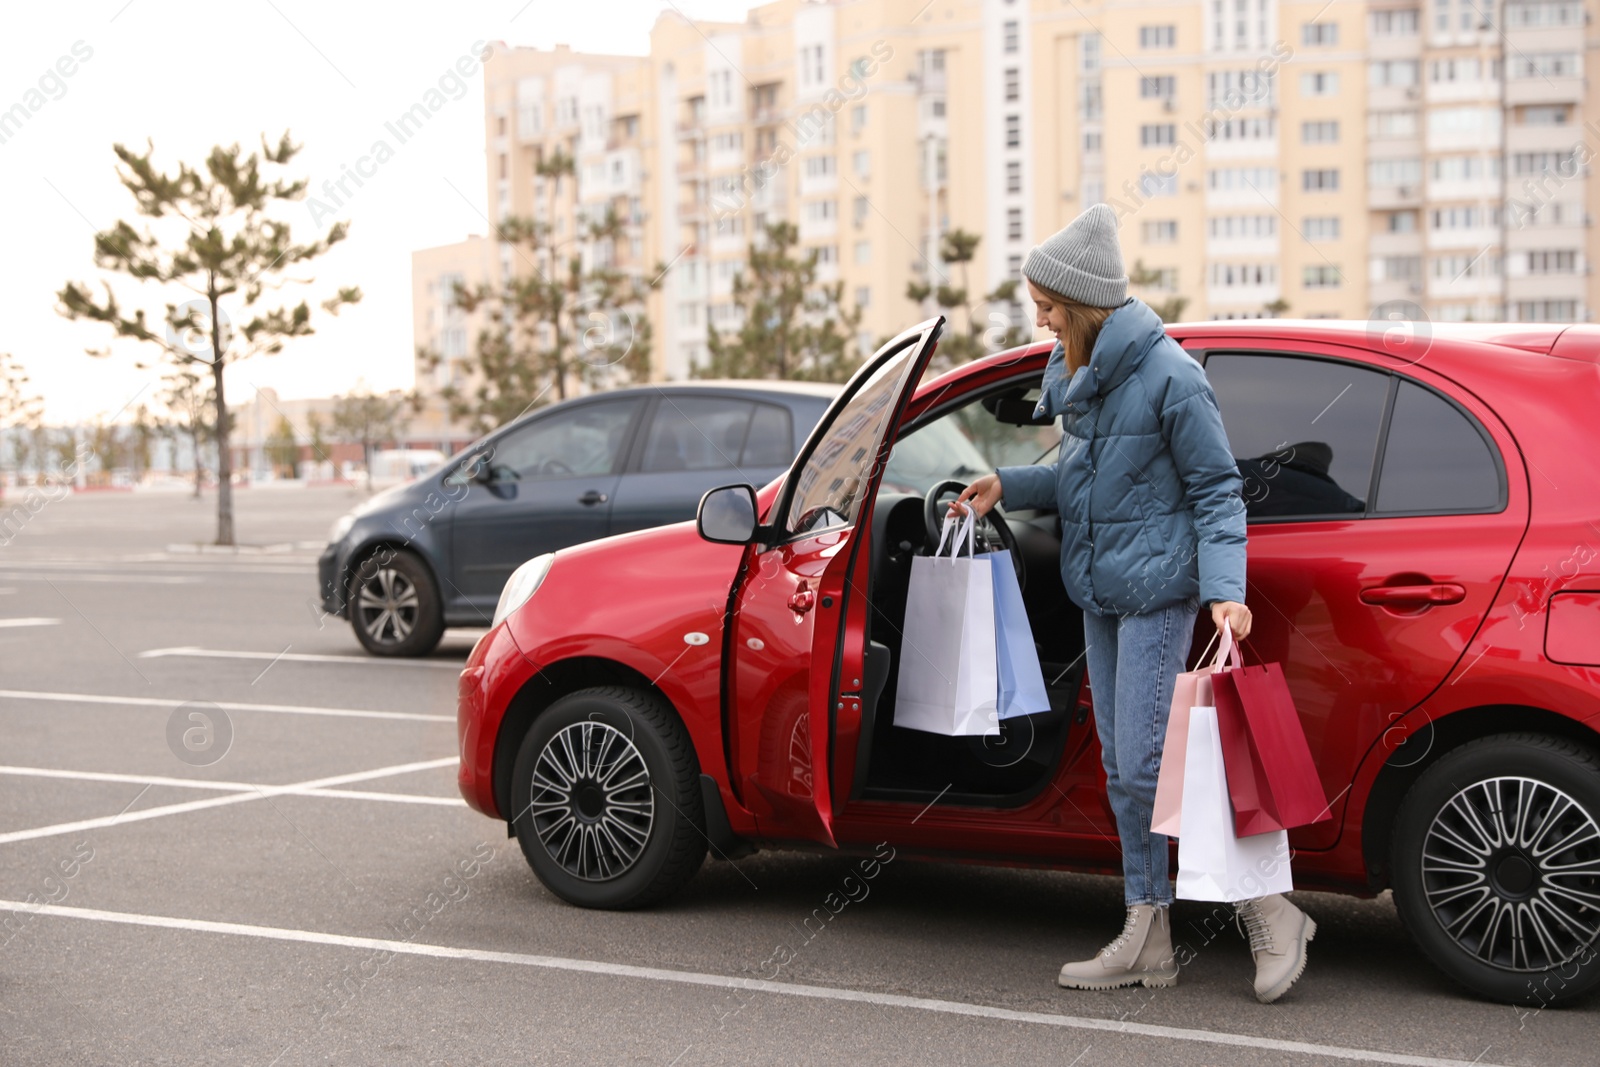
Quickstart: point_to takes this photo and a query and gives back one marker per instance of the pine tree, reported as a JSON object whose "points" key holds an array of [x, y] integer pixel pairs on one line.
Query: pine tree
{"points": [[979, 338], [791, 327], [221, 237]]}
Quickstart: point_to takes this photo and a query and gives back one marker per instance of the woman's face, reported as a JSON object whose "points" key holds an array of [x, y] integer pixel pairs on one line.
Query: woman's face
{"points": [[1047, 314]]}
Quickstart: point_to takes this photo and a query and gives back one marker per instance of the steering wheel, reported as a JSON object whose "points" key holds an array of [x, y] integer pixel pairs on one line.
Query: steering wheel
{"points": [[992, 533]]}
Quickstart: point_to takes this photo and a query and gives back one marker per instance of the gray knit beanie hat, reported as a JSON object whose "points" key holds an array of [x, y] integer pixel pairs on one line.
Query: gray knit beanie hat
{"points": [[1083, 262]]}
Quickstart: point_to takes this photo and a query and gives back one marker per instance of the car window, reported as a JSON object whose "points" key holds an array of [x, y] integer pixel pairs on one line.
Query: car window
{"points": [[696, 433], [585, 439], [1303, 431], [829, 488], [770, 442], [963, 444], [1435, 458]]}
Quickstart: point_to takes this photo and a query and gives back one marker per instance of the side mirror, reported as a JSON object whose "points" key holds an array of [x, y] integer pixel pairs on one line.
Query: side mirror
{"points": [[727, 515]]}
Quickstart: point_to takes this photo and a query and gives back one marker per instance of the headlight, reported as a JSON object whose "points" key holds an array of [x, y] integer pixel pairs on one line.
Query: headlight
{"points": [[522, 584], [341, 526]]}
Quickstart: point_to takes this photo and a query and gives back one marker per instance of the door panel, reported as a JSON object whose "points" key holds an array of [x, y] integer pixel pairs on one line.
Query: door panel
{"points": [[786, 648], [1330, 547], [551, 482]]}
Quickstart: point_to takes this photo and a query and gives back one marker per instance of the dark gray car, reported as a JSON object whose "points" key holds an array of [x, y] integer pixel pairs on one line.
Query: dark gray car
{"points": [[436, 552]]}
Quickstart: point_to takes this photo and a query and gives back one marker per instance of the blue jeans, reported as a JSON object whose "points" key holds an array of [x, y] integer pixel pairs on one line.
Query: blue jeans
{"points": [[1134, 661]]}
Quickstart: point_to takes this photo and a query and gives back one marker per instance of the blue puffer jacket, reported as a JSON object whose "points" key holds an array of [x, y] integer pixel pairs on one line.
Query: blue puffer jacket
{"points": [[1146, 485]]}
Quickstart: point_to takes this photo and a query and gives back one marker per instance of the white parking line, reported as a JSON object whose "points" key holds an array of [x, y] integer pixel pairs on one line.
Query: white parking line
{"points": [[225, 705], [719, 981], [30, 622], [301, 657], [257, 793], [227, 787], [144, 579]]}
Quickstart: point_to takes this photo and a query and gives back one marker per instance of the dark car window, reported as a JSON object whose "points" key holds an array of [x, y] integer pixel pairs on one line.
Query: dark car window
{"points": [[585, 439], [696, 433], [771, 439], [1304, 431], [830, 487], [1435, 459]]}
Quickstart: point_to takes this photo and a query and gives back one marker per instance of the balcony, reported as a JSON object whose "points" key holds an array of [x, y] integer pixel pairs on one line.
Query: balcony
{"points": [[1389, 197], [1539, 90]]}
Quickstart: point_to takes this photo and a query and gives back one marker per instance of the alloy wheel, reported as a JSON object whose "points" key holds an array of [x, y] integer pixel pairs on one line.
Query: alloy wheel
{"points": [[388, 604], [1511, 872], [592, 802]]}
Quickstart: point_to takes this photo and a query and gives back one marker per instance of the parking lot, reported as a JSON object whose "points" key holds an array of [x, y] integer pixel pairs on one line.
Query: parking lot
{"points": [[228, 836]]}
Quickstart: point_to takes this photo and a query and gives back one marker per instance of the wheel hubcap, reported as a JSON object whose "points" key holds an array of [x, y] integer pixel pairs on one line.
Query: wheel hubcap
{"points": [[1511, 871], [387, 605], [592, 803]]}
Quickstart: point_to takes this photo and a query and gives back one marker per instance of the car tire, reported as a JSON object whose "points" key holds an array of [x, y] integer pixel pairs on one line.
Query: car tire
{"points": [[605, 799], [1501, 837], [395, 608]]}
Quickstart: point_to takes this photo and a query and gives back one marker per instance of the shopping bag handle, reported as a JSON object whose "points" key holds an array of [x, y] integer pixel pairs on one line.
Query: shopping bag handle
{"points": [[1228, 650], [965, 531]]}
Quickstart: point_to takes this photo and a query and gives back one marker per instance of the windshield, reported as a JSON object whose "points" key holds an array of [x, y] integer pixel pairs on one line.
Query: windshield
{"points": [[962, 445]]}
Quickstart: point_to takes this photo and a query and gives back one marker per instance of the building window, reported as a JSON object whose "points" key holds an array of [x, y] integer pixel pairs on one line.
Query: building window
{"points": [[1012, 35], [1013, 131], [1321, 276], [1322, 131], [1238, 275], [1562, 261], [858, 118], [863, 164], [1158, 36], [1398, 22], [1091, 140], [1159, 231], [1013, 224], [1153, 184], [1156, 135], [860, 209], [1321, 181], [1393, 73], [1387, 125], [1545, 115], [1319, 34], [1013, 176], [1393, 172], [1547, 65], [1319, 83], [1242, 227], [863, 253], [1546, 310], [1401, 222], [1321, 228], [1158, 87], [1013, 85], [863, 296]]}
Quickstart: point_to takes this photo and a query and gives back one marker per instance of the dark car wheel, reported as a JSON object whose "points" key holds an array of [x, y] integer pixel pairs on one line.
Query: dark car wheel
{"points": [[1496, 862], [394, 605], [606, 799]]}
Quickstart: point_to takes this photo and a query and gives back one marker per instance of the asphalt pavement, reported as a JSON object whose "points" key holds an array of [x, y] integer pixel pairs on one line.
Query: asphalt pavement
{"points": [[227, 836]]}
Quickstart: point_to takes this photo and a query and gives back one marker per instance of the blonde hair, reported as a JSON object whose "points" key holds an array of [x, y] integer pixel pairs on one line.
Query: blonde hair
{"points": [[1083, 326]]}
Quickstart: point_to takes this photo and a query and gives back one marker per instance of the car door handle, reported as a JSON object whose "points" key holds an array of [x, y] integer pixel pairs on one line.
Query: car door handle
{"points": [[1437, 593], [592, 497], [802, 600]]}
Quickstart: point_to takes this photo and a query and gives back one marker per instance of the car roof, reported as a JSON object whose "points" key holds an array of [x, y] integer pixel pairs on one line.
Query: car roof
{"points": [[822, 390], [1527, 336]]}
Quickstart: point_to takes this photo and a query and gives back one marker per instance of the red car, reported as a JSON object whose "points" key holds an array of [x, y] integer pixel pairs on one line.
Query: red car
{"points": [[1424, 522]]}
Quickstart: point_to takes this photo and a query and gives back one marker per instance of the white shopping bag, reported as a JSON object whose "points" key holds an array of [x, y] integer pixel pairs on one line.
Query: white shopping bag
{"points": [[949, 682], [1214, 864]]}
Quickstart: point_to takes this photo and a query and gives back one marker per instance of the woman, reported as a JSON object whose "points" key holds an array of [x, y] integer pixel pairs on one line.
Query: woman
{"points": [[1152, 530]]}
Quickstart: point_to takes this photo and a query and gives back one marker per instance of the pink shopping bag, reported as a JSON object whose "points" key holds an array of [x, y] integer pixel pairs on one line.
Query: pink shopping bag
{"points": [[1191, 690]]}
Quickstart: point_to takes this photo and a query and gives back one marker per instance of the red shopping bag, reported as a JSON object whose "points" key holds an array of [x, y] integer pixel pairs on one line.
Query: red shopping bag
{"points": [[1272, 779]]}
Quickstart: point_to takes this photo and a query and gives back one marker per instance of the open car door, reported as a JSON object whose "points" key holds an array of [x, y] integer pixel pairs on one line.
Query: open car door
{"points": [[793, 671]]}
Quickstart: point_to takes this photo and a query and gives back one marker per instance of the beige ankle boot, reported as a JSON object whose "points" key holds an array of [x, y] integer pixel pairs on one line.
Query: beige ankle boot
{"points": [[1141, 954], [1279, 933]]}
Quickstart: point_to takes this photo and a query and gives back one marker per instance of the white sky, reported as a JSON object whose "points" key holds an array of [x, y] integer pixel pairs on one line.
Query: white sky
{"points": [[191, 74]]}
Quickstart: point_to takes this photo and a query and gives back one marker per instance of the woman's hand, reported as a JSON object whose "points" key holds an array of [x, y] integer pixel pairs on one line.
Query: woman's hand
{"points": [[981, 495], [1235, 615]]}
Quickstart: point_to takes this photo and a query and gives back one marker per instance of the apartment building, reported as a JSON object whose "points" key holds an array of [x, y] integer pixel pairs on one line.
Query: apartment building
{"points": [[1266, 157]]}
